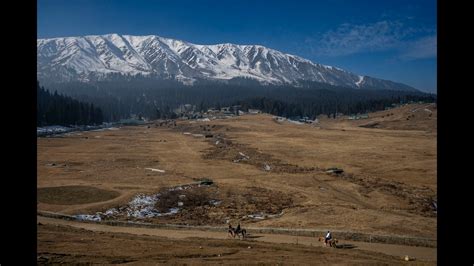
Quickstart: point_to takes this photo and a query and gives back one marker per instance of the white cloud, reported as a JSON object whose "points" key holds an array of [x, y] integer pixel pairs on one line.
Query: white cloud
{"points": [[425, 47], [350, 39], [410, 43]]}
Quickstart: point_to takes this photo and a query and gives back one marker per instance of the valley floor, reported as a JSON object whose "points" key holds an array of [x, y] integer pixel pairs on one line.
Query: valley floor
{"points": [[265, 173]]}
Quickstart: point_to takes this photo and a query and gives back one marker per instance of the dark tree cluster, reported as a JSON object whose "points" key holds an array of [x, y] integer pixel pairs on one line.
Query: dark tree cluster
{"points": [[57, 109], [330, 104], [158, 99]]}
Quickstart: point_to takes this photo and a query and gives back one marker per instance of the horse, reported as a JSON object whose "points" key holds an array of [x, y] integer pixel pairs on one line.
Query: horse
{"points": [[242, 232], [332, 242], [232, 232]]}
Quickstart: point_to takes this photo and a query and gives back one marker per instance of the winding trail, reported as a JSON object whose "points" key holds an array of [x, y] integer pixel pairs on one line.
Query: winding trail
{"points": [[420, 253]]}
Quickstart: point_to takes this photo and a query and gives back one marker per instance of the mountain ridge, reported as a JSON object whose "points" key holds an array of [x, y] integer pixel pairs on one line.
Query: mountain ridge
{"points": [[100, 57]]}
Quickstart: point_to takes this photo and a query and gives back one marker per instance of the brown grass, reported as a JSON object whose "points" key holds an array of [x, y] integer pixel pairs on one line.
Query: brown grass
{"points": [[390, 169], [71, 195], [68, 245]]}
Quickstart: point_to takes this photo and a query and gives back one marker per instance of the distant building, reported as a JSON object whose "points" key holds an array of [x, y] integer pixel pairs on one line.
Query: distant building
{"points": [[305, 119], [235, 109]]}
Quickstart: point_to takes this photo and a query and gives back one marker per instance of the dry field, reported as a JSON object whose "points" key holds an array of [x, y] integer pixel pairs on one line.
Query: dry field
{"points": [[63, 244], [259, 167], [84, 243]]}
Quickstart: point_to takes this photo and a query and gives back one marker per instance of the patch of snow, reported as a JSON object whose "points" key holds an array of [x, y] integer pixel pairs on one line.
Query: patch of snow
{"points": [[267, 167], [295, 122], [172, 211], [184, 187], [215, 202], [155, 170], [111, 212], [141, 206], [87, 217], [69, 131], [52, 130], [143, 200], [258, 216], [243, 155], [322, 77], [361, 78], [261, 216]]}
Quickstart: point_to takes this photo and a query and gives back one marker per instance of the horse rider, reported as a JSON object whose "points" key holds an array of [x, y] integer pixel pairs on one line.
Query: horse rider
{"points": [[237, 230], [231, 230], [328, 237]]}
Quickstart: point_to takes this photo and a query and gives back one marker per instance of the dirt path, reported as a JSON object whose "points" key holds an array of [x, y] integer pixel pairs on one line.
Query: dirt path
{"points": [[421, 253]]}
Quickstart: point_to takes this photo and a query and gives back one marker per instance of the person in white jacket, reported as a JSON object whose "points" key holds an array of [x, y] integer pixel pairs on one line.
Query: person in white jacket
{"points": [[328, 237]]}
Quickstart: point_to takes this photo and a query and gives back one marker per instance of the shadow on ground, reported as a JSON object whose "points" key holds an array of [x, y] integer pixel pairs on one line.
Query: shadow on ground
{"points": [[252, 236], [346, 246]]}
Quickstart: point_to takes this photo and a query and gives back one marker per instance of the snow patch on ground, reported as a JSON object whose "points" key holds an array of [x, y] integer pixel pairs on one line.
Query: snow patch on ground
{"points": [[52, 130], [261, 216], [281, 119], [141, 206], [267, 167], [215, 202], [62, 130], [87, 217], [243, 155], [295, 122], [155, 170]]}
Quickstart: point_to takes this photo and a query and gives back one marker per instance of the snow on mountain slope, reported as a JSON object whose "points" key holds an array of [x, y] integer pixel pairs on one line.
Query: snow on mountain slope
{"points": [[98, 56]]}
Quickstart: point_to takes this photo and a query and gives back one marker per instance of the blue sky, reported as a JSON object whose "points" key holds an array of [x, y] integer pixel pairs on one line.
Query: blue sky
{"points": [[393, 40]]}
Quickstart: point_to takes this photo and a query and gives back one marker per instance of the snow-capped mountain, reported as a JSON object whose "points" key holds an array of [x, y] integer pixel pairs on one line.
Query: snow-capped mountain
{"points": [[101, 56]]}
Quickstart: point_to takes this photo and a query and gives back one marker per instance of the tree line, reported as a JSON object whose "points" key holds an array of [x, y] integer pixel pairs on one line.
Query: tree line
{"points": [[330, 108], [155, 100], [57, 109]]}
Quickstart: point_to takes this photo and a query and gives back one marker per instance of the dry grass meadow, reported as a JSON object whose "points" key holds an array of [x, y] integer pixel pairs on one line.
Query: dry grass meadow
{"points": [[388, 185]]}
